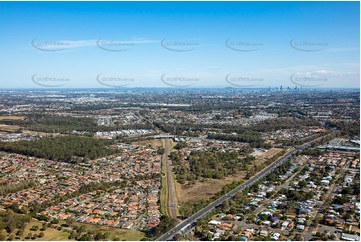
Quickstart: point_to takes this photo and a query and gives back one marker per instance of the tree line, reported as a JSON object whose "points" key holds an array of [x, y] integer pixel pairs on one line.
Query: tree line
{"points": [[205, 164], [61, 148]]}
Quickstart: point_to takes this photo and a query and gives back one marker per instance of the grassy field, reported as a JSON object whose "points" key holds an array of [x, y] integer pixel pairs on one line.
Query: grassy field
{"points": [[12, 118], [171, 145], [269, 153], [122, 234], [205, 189], [163, 191], [42, 133], [49, 233], [151, 142], [163, 194], [10, 128], [176, 193]]}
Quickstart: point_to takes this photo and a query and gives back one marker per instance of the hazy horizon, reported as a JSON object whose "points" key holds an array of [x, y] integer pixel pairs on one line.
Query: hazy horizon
{"points": [[181, 45]]}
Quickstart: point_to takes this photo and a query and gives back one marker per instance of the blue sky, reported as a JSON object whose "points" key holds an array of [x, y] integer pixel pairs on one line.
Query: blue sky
{"points": [[208, 44]]}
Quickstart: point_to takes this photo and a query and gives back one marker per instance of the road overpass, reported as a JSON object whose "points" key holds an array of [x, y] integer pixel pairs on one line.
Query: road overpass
{"points": [[163, 136]]}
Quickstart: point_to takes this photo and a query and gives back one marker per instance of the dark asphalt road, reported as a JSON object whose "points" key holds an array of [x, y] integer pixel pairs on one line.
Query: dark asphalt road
{"points": [[188, 223]]}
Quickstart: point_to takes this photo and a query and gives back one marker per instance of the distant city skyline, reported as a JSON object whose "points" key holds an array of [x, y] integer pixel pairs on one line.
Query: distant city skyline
{"points": [[179, 44]]}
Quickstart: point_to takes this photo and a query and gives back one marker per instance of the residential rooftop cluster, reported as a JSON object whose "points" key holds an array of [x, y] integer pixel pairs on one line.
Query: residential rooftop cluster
{"points": [[214, 145], [132, 205], [287, 134], [12, 137], [125, 132], [126, 117], [312, 199], [219, 117]]}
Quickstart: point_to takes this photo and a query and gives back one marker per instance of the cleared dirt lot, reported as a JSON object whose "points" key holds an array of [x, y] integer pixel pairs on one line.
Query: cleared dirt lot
{"points": [[269, 153], [205, 189], [9, 128], [209, 187], [12, 118], [151, 142]]}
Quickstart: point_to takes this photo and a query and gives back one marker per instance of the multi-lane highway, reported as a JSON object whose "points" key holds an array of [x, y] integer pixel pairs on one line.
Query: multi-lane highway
{"points": [[187, 224], [171, 202]]}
